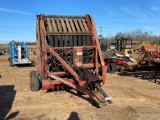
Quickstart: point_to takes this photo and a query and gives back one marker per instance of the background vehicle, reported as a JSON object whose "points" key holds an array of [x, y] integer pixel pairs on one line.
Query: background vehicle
{"points": [[19, 54], [112, 46], [124, 45]]}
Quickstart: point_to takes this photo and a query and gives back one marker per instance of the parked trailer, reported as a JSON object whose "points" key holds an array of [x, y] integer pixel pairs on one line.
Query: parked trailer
{"points": [[19, 54], [69, 56]]}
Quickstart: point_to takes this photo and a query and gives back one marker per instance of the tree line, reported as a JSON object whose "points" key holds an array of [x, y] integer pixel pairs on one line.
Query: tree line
{"points": [[134, 35]]}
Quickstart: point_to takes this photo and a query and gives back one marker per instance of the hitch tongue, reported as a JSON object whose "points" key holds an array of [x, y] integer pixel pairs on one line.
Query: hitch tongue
{"points": [[104, 94], [107, 98]]}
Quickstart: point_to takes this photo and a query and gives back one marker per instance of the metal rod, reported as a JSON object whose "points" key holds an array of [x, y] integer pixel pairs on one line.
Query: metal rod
{"points": [[103, 93]]}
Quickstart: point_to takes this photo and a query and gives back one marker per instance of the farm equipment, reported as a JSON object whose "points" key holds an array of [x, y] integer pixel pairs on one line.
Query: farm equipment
{"points": [[124, 45], [19, 54], [118, 62], [146, 46], [69, 56], [148, 57], [112, 46], [147, 61], [2, 52], [136, 45]]}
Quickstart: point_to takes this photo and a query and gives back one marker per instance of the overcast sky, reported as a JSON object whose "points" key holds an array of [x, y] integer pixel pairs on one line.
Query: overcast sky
{"points": [[17, 17]]}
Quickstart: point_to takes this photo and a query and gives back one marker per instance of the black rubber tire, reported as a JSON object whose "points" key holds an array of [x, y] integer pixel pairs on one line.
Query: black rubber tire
{"points": [[34, 81], [130, 52], [111, 68]]}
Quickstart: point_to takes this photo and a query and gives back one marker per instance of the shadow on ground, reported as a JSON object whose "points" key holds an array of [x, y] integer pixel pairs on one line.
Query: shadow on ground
{"points": [[80, 95], [7, 95], [73, 116], [25, 65]]}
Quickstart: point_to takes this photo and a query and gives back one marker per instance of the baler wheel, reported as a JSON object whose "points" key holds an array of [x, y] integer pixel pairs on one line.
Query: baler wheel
{"points": [[34, 81]]}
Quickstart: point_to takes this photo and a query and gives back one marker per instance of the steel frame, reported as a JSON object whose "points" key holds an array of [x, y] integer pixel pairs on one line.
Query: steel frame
{"points": [[43, 48]]}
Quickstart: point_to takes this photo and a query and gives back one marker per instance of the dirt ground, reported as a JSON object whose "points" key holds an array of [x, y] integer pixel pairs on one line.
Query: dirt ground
{"points": [[135, 97]]}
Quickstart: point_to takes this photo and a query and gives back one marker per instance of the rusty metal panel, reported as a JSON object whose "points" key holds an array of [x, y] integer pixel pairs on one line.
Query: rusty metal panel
{"points": [[65, 41], [58, 24], [81, 25], [63, 25], [68, 25], [56, 41], [72, 25], [54, 25], [70, 41], [85, 26], [80, 41], [60, 41], [75, 42], [88, 40], [76, 25], [84, 40], [49, 25]]}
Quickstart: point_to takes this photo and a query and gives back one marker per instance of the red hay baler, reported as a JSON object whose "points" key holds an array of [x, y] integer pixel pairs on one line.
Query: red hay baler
{"points": [[69, 56]]}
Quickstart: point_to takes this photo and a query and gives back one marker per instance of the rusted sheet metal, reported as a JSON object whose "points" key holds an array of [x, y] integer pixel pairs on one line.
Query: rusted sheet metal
{"points": [[63, 25], [49, 25], [69, 33], [68, 25], [81, 25], [84, 47], [95, 37], [54, 25], [59, 24], [72, 25], [76, 25], [85, 26]]}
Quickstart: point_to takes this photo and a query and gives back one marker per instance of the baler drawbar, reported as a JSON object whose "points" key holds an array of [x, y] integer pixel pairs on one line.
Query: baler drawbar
{"points": [[69, 56]]}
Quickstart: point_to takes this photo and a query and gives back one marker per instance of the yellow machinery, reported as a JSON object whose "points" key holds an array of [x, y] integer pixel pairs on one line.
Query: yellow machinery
{"points": [[145, 43], [146, 46], [124, 45]]}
